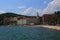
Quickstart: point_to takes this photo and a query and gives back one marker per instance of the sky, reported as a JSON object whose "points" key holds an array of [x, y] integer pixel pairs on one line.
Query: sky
{"points": [[29, 7]]}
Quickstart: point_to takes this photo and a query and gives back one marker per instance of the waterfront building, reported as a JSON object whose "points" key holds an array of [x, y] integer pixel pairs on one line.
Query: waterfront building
{"points": [[27, 20], [22, 22], [14, 19], [9, 20], [49, 19]]}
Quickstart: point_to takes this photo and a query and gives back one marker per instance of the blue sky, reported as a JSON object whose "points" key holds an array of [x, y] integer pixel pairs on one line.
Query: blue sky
{"points": [[25, 7]]}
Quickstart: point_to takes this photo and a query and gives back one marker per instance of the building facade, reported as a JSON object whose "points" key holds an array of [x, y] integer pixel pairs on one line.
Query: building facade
{"points": [[27, 20], [49, 19]]}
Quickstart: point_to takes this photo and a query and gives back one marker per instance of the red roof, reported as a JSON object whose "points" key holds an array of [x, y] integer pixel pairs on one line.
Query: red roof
{"points": [[48, 15]]}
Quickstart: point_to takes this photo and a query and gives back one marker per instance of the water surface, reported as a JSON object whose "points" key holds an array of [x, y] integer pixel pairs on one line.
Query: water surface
{"points": [[28, 33]]}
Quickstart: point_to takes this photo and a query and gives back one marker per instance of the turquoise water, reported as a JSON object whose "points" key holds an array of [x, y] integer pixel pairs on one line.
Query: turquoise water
{"points": [[28, 33]]}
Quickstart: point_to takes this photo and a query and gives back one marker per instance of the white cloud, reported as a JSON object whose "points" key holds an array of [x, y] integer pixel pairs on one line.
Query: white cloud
{"points": [[52, 7], [36, 11], [31, 11], [27, 11], [20, 7], [2, 11]]}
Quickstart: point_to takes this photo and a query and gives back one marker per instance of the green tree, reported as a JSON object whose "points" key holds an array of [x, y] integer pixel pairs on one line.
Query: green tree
{"points": [[40, 20], [57, 14]]}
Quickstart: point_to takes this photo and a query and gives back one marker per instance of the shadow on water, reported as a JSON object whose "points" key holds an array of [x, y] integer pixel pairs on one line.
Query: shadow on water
{"points": [[28, 33]]}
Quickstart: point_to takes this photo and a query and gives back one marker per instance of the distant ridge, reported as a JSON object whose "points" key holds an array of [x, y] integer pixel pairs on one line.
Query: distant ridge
{"points": [[10, 14]]}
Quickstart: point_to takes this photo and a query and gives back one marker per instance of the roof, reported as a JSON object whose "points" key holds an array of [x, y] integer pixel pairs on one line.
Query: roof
{"points": [[48, 15]]}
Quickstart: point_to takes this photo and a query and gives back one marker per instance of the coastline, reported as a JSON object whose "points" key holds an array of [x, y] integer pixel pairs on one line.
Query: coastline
{"points": [[50, 27], [44, 26]]}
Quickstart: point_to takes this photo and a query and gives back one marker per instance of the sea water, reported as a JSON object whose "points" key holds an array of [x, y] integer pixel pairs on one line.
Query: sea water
{"points": [[28, 33]]}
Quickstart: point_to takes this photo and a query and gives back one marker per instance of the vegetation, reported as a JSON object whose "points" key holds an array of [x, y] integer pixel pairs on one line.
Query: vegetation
{"points": [[40, 20], [50, 20], [57, 14], [9, 14]]}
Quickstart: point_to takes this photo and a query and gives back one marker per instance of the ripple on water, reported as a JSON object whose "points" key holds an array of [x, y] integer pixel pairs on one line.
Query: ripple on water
{"points": [[27, 33]]}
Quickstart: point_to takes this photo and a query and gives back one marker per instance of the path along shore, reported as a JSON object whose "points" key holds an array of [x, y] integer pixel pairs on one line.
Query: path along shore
{"points": [[50, 27]]}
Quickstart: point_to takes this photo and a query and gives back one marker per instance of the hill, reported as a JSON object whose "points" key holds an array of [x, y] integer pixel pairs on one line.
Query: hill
{"points": [[8, 14]]}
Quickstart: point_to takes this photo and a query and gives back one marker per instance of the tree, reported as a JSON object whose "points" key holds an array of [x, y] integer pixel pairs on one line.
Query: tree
{"points": [[40, 20], [57, 14]]}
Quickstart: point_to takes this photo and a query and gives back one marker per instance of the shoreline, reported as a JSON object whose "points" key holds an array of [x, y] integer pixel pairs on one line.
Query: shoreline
{"points": [[50, 27], [46, 26], [43, 26]]}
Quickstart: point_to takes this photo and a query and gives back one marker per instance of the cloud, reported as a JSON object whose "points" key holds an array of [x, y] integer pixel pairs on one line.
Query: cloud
{"points": [[20, 7], [27, 11], [2, 11], [34, 13], [31, 11], [52, 7]]}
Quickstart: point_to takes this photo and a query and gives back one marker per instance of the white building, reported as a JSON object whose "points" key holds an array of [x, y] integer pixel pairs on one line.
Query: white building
{"points": [[22, 22]]}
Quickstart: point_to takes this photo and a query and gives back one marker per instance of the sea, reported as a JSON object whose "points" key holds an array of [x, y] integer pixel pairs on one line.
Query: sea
{"points": [[28, 33]]}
